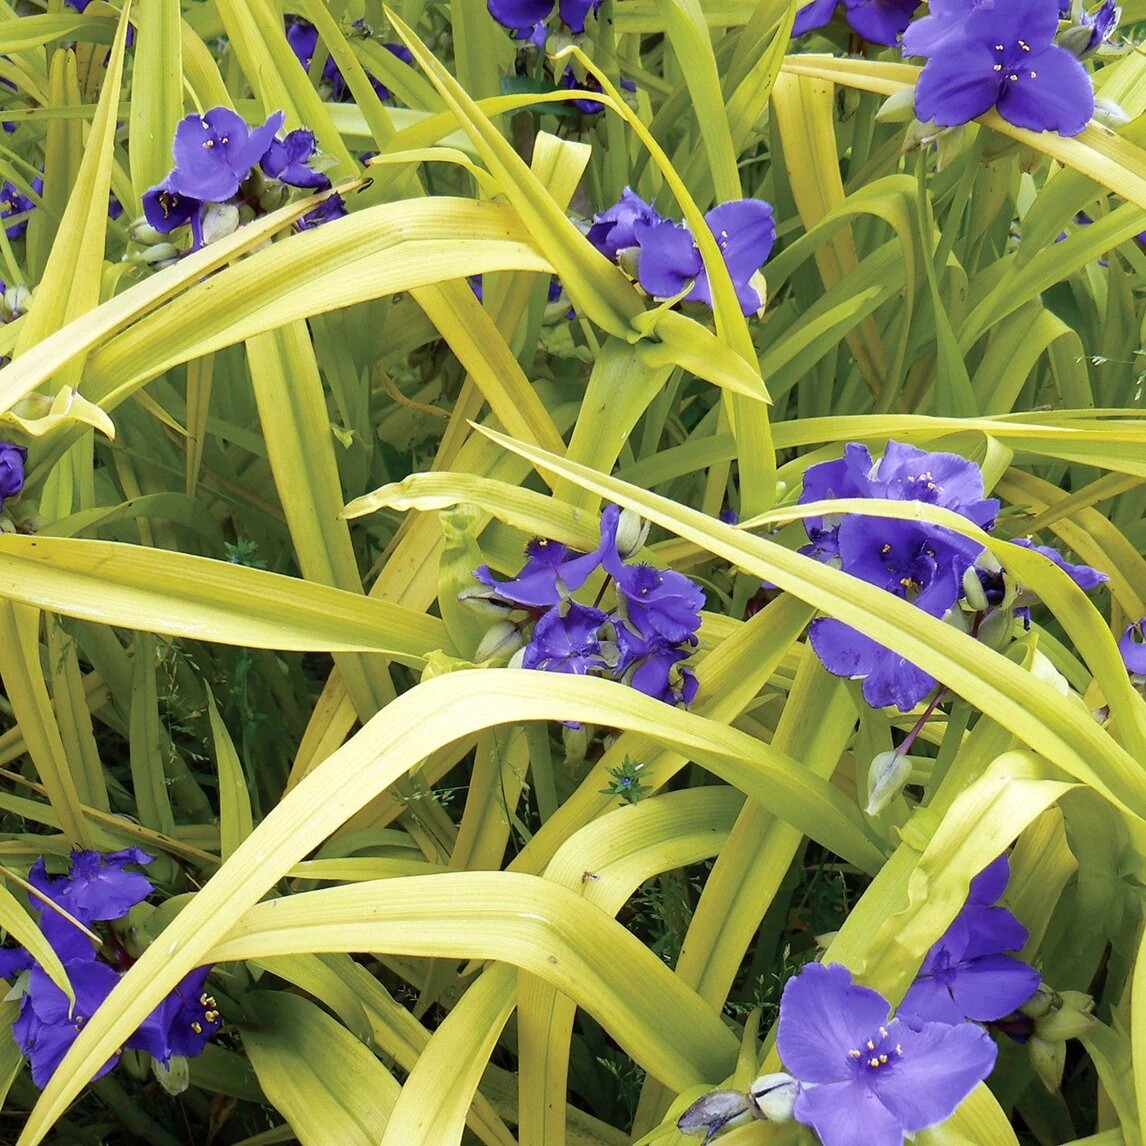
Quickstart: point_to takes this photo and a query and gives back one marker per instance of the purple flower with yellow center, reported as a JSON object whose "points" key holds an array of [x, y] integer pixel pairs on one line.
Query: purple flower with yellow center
{"points": [[215, 152], [1132, 646], [13, 201], [1005, 57], [670, 261], [286, 160], [966, 974], [877, 21], [567, 638], [182, 1024], [864, 1076], [612, 230], [12, 459]]}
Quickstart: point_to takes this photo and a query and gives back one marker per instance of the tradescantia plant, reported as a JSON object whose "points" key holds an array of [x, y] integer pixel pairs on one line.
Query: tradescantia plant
{"points": [[572, 572]]}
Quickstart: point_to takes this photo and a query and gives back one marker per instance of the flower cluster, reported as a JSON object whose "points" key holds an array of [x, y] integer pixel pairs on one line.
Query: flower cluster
{"points": [[932, 567], [97, 889], [641, 642], [528, 19], [303, 39], [224, 167], [1004, 56], [663, 256], [849, 1064]]}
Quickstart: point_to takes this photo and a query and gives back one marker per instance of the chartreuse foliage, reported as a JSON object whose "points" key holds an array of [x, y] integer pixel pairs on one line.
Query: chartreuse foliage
{"points": [[450, 900]]}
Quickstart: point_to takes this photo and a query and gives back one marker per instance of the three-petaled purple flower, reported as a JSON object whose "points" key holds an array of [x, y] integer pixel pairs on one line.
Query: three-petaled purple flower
{"points": [[612, 229], [670, 261], [302, 36], [877, 21], [97, 888], [858, 1068], [966, 974], [1002, 56], [215, 152], [287, 161]]}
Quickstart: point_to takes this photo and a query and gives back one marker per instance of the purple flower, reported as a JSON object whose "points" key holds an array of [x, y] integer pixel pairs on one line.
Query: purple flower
{"points": [[567, 639], [182, 1024], [286, 160], [656, 602], [215, 152], [966, 974], [1005, 57], [47, 1026], [612, 230], [944, 22], [1132, 646], [877, 21], [1084, 576], [12, 458], [865, 1077], [331, 208], [649, 664], [551, 572], [165, 209], [670, 261], [402, 53], [96, 888]]}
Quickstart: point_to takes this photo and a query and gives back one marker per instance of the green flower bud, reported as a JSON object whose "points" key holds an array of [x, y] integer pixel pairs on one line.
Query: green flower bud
{"points": [[885, 780], [632, 530], [1109, 114], [897, 108], [1042, 1002], [501, 641], [159, 255], [175, 1078], [774, 1096], [219, 221], [478, 599], [973, 590], [627, 260], [996, 629], [141, 231], [1070, 1021], [1076, 40]]}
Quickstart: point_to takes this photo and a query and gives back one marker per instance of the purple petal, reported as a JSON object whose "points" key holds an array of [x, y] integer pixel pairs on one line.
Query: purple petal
{"points": [[957, 85], [166, 209], [993, 986], [847, 1114], [880, 21], [814, 15], [824, 1015], [940, 1065], [896, 681], [988, 886], [574, 13], [669, 260], [520, 15], [1132, 646], [929, 1000], [1084, 576], [1052, 93], [1034, 22]]}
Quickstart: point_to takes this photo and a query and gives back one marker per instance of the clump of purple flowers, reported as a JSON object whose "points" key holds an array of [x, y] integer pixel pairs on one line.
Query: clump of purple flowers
{"points": [[224, 167], [97, 889], [928, 565], [663, 256], [641, 641], [1003, 56]]}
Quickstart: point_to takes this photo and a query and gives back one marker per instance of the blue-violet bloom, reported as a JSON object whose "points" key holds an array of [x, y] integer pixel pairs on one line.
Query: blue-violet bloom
{"points": [[612, 230], [286, 160], [1132, 646], [865, 1077], [12, 459], [1005, 57], [215, 152], [877, 21]]}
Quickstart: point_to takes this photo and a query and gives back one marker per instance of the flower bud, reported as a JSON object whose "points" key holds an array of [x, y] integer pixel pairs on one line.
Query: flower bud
{"points": [[1070, 1021], [576, 740], [628, 259], [478, 599], [175, 1078], [1042, 1002], [141, 231], [885, 780], [1076, 40], [718, 1110], [1048, 1060], [632, 530], [219, 221], [1042, 669], [973, 590], [501, 641], [158, 255], [774, 1096], [996, 628], [897, 108]]}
